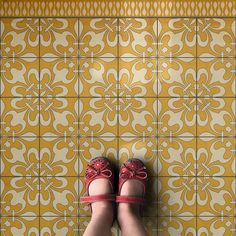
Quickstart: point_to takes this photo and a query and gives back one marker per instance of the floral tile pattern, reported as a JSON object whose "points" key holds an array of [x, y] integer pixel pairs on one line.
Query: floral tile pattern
{"points": [[161, 89]]}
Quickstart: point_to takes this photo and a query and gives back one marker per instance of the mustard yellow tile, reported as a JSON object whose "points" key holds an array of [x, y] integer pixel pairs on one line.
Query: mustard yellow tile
{"points": [[59, 196], [19, 77], [15, 226], [94, 147], [212, 225], [177, 37], [56, 225], [215, 116], [58, 116], [176, 77], [84, 221], [216, 37], [98, 77], [137, 37], [19, 156], [216, 196], [176, 116], [59, 77], [137, 116], [143, 148], [176, 156], [20, 37], [177, 196], [20, 116], [84, 209], [137, 77], [216, 156], [58, 37], [59, 156], [216, 77], [98, 116], [19, 196], [172, 226], [98, 37]]}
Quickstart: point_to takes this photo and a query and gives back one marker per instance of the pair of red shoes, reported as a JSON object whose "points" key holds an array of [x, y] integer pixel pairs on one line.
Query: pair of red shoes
{"points": [[101, 167]]}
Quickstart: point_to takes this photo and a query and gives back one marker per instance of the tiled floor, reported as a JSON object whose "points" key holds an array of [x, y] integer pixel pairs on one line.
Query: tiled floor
{"points": [[159, 89]]}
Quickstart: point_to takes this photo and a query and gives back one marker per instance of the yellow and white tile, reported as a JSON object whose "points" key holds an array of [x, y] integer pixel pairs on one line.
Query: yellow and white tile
{"points": [[19, 156], [58, 116], [59, 196], [19, 77], [137, 117], [176, 156], [137, 77], [215, 116], [137, 37], [59, 156], [98, 37], [98, 116], [216, 77], [20, 116], [176, 117], [216, 37], [176, 37], [19, 196], [216, 156], [176, 77], [96, 146], [20, 37], [98, 77], [59, 77], [58, 37]]}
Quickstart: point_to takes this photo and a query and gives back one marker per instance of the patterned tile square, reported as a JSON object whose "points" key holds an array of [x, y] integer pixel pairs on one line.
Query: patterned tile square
{"points": [[58, 116], [137, 37], [177, 196], [20, 116], [59, 77], [19, 156], [55, 225], [15, 226], [176, 156], [212, 225], [216, 196], [58, 37], [59, 156], [94, 147], [19, 196], [216, 77], [142, 148], [216, 156], [19, 77], [138, 116], [137, 77], [98, 37], [215, 116], [59, 196], [172, 226], [216, 37], [98, 117], [176, 116], [177, 37], [98, 77], [176, 77], [84, 221], [20, 37]]}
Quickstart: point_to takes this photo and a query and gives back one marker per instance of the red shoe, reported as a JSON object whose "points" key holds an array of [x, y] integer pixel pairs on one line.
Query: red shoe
{"points": [[99, 167], [132, 169]]}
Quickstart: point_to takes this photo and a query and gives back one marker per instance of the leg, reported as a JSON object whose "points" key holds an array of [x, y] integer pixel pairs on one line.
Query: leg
{"points": [[102, 211], [128, 214]]}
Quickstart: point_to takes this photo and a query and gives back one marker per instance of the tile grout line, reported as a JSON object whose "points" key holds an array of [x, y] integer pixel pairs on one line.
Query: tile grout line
{"points": [[0, 126], [235, 119], [39, 130]]}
